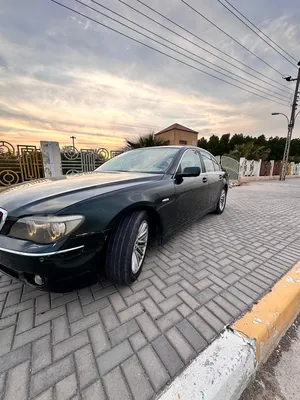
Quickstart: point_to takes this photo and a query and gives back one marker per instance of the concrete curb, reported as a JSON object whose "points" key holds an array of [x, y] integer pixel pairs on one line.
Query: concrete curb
{"points": [[224, 369], [247, 179], [221, 372]]}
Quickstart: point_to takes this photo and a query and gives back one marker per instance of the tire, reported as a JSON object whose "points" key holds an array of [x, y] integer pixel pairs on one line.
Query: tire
{"points": [[122, 264], [221, 202]]}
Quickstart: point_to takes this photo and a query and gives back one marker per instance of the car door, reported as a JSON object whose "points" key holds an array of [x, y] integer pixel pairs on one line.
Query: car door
{"points": [[214, 179], [190, 192], [219, 174]]}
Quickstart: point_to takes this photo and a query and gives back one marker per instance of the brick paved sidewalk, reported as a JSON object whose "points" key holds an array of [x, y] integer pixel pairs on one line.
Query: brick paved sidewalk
{"points": [[117, 342]]}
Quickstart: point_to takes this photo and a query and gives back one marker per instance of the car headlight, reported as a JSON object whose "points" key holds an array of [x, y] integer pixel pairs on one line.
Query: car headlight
{"points": [[45, 229]]}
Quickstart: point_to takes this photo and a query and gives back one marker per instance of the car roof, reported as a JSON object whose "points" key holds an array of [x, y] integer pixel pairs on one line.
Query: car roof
{"points": [[172, 147]]}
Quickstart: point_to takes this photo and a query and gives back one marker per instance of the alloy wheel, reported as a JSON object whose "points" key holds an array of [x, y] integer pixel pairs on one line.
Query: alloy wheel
{"points": [[222, 200], [140, 247]]}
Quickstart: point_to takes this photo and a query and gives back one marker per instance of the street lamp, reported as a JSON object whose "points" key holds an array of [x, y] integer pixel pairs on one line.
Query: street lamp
{"points": [[287, 145], [291, 123], [73, 140], [278, 113]]}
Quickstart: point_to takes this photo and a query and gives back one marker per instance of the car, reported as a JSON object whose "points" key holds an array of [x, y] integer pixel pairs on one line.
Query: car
{"points": [[56, 234]]}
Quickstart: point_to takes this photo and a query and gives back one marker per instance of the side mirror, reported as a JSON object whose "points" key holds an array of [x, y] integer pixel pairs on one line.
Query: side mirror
{"points": [[189, 172]]}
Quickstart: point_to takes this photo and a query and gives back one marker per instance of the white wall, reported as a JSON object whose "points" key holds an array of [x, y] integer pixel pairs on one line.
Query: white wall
{"points": [[51, 159], [249, 167]]}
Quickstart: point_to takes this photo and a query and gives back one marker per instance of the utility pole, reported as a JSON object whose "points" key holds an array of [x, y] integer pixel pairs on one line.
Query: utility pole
{"points": [[73, 140], [290, 126]]}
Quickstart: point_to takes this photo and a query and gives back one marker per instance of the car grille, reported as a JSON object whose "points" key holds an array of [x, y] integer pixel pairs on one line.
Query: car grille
{"points": [[3, 216]]}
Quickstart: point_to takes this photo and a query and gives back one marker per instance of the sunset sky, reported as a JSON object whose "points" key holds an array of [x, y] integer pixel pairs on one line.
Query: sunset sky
{"points": [[62, 75]]}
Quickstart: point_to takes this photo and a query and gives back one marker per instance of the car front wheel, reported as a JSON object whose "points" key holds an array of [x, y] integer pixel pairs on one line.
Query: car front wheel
{"points": [[126, 248], [222, 202]]}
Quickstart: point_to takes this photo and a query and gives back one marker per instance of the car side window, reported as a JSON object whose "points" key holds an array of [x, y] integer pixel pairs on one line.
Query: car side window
{"points": [[189, 159], [216, 164], [209, 165]]}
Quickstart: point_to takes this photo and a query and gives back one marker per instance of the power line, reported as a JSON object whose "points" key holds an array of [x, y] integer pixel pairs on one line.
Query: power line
{"points": [[174, 44], [202, 40], [170, 48], [231, 37], [188, 40], [163, 53], [240, 19], [260, 31]]}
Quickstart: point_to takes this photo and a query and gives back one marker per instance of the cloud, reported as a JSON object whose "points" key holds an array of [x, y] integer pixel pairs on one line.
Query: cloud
{"points": [[61, 74]]}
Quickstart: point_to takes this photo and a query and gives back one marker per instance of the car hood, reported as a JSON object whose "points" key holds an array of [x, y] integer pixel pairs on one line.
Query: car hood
{"points": [[52, 195]]}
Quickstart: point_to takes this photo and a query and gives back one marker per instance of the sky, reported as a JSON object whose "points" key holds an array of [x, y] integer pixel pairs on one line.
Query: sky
{"points": [[62, 74]]}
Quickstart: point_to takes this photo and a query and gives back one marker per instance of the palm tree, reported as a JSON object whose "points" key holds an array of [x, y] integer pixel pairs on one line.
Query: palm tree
{"points": [[148, 140], [250, 151]]}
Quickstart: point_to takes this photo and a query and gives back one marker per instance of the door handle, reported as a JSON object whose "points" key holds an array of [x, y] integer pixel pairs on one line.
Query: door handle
{"points": [[204, 179]]}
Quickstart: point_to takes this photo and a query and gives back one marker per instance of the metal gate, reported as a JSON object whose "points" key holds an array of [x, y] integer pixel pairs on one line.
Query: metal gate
{"points": [[18, 166], [85, 160], [231, 165]]}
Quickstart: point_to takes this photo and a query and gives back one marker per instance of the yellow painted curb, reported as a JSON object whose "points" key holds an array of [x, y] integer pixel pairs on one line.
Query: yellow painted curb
{"points": [[270, 318]]}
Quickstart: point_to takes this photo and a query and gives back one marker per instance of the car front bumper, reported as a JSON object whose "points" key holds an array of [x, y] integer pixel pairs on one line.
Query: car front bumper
{"points": [[55, 268]]}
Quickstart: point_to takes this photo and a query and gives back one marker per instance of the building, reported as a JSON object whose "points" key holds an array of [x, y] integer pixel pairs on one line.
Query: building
{"points": [[178, 134]]}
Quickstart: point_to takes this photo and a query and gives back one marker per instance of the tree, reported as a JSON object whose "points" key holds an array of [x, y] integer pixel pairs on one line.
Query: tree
{"points": [[268, 148], [250, 151], [224, 144], [295, 150], [236, 145], [148, 140], [276, 146], [202, 143], [236, 139], [260, 141], [213, 145]]}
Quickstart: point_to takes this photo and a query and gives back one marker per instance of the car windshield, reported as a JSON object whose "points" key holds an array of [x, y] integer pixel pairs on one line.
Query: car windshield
{"points": [[152, 160]]}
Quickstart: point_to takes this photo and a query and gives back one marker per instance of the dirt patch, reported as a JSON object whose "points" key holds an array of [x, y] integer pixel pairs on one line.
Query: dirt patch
{"points": [[265, 385]]}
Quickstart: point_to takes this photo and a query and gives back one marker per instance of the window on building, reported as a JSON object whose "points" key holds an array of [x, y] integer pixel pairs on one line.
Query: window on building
{"points": [[183, 142], [209, 165]]}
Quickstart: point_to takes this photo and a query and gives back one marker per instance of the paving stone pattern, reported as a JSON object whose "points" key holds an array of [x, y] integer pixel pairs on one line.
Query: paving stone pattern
{"points": [[115, 342]]}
